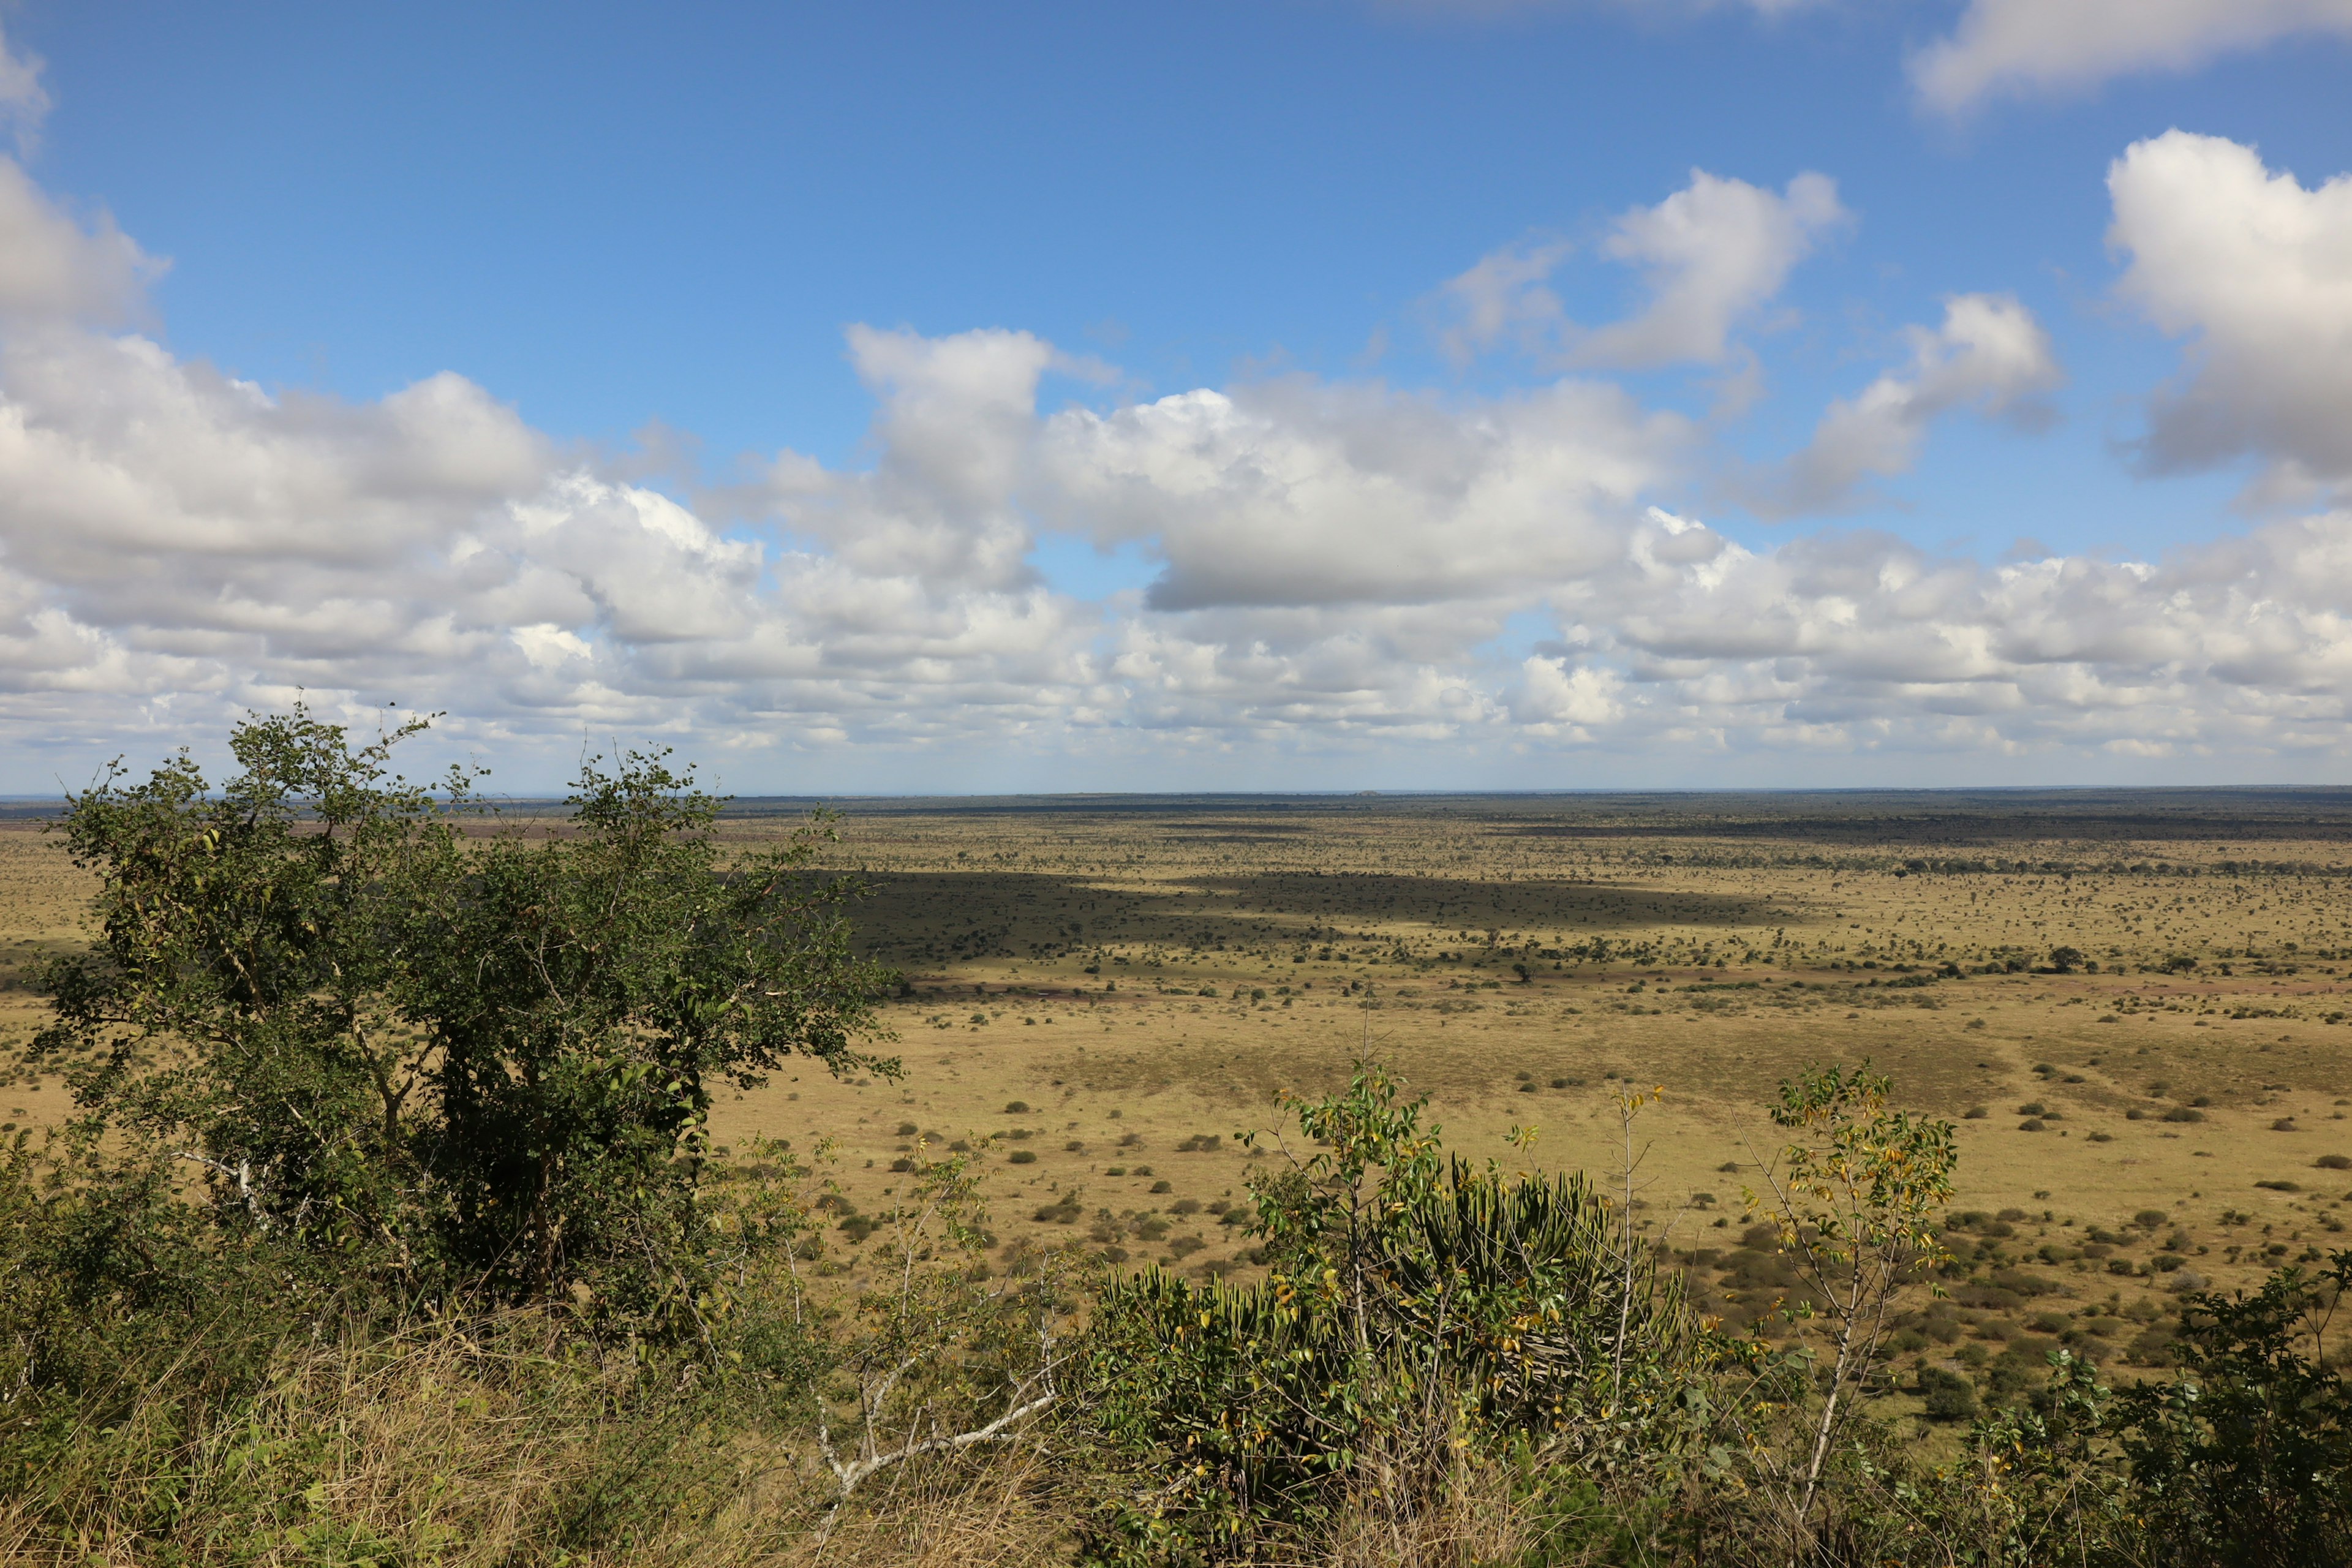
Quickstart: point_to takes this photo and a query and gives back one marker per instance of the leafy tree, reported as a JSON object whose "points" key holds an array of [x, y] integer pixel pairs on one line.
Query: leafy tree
{"points": [[447, 1062], [2246, 1458]]}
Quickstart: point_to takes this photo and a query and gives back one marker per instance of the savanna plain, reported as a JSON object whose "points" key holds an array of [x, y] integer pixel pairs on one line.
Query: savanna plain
{"points": [[2131, 1006], [1120, 989]]}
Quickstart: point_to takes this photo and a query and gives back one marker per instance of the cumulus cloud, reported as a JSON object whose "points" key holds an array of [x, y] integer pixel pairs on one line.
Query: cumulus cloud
{"points": [[2239, 645], [1554, 696], [1711, 253], [52, 264], [1990, 354], [953, 434], [2256, 270], [1710, 256], [2041, 46], [1505, 295], [1345, 569], [1305, 493]]}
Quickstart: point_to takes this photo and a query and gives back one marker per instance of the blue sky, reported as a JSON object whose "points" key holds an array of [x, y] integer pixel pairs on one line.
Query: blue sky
{"points": [[636, 245]]}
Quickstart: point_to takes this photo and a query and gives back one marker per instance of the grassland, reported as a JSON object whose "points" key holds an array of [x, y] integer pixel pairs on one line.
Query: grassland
{"points": [[1112, 989]]}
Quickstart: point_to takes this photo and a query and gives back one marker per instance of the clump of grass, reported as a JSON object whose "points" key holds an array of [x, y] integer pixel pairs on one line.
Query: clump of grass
{"points": [[462, 1442]]}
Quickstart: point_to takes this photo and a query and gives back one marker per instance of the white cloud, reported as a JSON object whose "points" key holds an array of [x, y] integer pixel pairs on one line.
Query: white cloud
{"points": [[2021, 46], [52, 265], [1712, 253], [952, 436], [2256, 270], [1503, 295], [175, 545], [1348, 570], [1990, 354], [24, 101], [1305, 493], [1552, 695], [2242, 645]]}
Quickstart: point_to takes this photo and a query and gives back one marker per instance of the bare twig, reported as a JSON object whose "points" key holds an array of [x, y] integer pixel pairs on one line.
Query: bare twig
{"points": [[241, 1173]]}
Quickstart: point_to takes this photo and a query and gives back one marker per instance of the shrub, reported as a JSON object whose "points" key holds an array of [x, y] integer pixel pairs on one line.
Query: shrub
{"points": [[1283, 1398], [1949, 1395], [432, 1060], [2257, 1468]]}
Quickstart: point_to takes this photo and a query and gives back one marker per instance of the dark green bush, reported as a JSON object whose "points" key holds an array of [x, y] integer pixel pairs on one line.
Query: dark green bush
{"points": [[1949, 1395], [2247, 1456], [1413, 1300]]}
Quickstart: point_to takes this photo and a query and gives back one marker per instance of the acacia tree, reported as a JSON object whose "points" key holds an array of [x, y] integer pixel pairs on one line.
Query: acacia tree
{"points": [[480, 1063]]}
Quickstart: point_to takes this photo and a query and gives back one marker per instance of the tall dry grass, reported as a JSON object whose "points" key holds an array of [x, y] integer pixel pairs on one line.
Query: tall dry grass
{"points": [[498, 1440], [503, 1441]]}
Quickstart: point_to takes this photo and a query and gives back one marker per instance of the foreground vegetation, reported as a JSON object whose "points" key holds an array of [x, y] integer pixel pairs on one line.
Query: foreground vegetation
{"points": [[391, 1228]]}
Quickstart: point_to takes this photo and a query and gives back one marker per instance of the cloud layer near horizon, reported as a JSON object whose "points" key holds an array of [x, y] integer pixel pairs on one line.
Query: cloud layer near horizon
{"points": [[1343, 567]]}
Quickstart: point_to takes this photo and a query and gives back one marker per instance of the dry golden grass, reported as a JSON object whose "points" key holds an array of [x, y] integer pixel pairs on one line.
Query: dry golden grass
{"points": [[1751, 920], [43, 901], [1057, 956], [453, 1445], [1768, 933]]}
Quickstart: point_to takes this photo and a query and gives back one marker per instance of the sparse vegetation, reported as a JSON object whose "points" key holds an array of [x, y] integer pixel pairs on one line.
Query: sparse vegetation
{"points": [[696, 1341]]}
